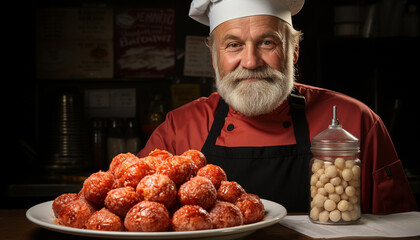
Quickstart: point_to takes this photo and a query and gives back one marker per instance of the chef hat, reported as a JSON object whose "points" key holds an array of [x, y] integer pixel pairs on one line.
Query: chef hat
{"points": [[214, 12]]}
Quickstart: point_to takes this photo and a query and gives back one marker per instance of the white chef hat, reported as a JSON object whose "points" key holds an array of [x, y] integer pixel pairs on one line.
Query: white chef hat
{"points": [[214, 12]]}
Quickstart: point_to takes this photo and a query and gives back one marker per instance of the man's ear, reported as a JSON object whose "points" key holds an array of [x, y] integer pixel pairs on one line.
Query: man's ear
{"points": [[296, 54], [213, 61]]}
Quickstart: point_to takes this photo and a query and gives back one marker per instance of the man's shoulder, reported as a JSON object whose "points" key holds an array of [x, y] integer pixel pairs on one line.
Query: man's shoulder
{"points": [[312, 91], [316, 96], [199, 106]]}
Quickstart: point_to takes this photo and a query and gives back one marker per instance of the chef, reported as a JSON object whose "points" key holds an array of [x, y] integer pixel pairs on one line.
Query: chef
{"points": [[259, 124]]}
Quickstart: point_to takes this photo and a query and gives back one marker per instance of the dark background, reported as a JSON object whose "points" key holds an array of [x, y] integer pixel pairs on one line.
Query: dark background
{"points": [[379, 69]]}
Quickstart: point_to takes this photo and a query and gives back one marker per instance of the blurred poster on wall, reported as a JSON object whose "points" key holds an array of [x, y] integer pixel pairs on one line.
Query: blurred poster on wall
{"points": [[197, 60], [144, 42], [74, 43]]}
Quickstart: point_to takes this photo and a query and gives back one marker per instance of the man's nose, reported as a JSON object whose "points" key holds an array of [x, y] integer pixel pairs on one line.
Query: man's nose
{"points": [[251, 58]]}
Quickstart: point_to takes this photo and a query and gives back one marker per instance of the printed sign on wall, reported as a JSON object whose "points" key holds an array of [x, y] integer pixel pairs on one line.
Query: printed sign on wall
{"points": [[144, 42]]}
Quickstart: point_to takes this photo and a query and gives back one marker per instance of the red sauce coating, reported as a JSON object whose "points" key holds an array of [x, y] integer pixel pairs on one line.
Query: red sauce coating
{"points": [[120, 200], [147, 216], [178, 168], [61, 201], [225, 214], [158, 188], [126, 164], [160, 154], [155, 158], [104, 220], [132, 175], [96, 187], [118, 160], [197, 157], [213, 172], [198, 191], [191, 218], [75, 214], [229, 191], [251, 207], [152, 162]]}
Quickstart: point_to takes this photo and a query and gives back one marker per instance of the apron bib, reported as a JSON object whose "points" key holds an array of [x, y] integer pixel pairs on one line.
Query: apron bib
{"points": [[276, 173]]}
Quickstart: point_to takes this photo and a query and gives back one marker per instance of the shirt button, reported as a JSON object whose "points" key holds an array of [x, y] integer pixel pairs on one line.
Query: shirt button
{"points": [[286, 124], [230, 127]]}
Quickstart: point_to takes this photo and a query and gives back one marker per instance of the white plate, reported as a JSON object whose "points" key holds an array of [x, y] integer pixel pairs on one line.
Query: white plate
{"points": [[43, 216]]}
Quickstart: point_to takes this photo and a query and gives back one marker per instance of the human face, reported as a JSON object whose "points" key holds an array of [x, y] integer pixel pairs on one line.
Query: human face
{"points": [[253, 74], [250, 42]]}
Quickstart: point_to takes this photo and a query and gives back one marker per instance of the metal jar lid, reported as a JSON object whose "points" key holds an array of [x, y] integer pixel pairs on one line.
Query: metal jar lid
{"points": [[335, 139]]}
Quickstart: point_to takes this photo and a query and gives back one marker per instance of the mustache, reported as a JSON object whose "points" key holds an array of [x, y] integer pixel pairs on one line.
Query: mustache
{"points": [[264, 73]]}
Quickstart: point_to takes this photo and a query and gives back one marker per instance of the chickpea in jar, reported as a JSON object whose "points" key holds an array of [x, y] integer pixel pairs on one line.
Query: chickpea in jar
{"points": [[335, 190]]}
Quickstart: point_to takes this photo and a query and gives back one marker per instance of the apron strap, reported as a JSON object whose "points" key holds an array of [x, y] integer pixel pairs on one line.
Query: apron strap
{"points": [[217, 125], [301, 130], [300, 125]]}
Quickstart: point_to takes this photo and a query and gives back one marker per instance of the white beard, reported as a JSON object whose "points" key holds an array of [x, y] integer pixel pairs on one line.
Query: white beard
{"points": [[253, 98]]}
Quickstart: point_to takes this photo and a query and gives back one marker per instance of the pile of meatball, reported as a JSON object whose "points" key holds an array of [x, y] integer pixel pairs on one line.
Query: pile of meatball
{"points": [[160, 192]]}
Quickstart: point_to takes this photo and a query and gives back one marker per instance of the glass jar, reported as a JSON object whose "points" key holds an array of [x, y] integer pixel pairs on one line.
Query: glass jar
{"points": [[132, 138], [115, 139], [98, 144], [335, 176], [155, 115]]}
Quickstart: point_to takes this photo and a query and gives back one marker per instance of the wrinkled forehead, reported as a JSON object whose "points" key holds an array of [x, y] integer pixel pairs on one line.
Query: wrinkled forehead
{"points": [[251, 26]]}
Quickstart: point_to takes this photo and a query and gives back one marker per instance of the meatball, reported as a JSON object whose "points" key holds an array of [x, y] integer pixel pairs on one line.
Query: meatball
{"points": [[160, 154], [125, 165], [152, 162], [118, 160], [197, 157], [178, 168], [75, 214], [229, 191], [96, 186], [213, 172], [158, 188], [61, 201], [147, 216], [191, 218], [198, 191], [120, 200], [104, 220], [132, 174], [155, 158], [225, 214], [251, 207]]}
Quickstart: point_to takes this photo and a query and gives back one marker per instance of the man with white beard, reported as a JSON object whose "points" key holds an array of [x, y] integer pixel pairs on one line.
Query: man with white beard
{"points": [[259, 124]]}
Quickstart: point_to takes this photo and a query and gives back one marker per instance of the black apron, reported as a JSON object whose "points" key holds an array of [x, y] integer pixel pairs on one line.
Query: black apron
{"points": [[276, 173]]}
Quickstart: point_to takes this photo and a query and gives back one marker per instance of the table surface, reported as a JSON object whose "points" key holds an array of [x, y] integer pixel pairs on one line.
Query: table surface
{"points": [[14, 225]]}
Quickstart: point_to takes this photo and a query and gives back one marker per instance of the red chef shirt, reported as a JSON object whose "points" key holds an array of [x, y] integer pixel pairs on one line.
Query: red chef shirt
{"points": [[385, 187]]}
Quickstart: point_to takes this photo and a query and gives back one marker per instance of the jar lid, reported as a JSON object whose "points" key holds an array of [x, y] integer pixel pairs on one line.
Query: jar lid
{"points": [[335, 138]]}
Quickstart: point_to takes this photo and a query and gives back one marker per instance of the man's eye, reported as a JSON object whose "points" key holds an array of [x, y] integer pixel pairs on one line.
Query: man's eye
{"points": [[267, 42], [233, 45]]}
